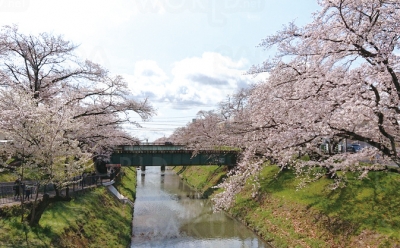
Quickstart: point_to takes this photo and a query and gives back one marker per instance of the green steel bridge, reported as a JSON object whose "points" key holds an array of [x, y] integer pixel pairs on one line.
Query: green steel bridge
{"points": [[152, 154]]}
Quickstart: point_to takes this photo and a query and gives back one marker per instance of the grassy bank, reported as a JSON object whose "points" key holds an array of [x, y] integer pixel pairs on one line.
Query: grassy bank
{"points": [[127, 185], [92, 219], [202, 178], [363, 214]]}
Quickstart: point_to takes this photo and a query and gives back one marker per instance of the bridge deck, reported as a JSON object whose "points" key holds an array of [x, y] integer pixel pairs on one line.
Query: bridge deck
{"points": [[161, 155], [152, 148]]}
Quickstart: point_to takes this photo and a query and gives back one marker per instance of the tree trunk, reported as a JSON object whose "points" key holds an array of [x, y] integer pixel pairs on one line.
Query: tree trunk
{"points": [[56, 190], [33, 210], [38, 210]]}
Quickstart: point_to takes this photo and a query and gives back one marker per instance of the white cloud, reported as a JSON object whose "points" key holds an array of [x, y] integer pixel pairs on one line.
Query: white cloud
{"points": [[70, 18], [148, 80], [207, 79], [194, 82], [121, 34]]}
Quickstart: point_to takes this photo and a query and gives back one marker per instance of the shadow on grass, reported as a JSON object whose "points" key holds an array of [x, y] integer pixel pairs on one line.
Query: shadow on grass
{"points": [[83, 218], [41, 233], [372, 203], [97, 207], [215, 178], [21, 235], [127, 184], [181, 170], [243, 206], [208, 192], [275, 181]]}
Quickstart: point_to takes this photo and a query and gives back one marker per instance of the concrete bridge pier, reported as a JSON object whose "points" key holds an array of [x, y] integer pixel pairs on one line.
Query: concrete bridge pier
{"points": [[142, 167]]}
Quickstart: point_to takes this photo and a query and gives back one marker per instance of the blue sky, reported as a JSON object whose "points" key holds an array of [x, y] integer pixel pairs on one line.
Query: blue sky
{"points": [[183, 55]]}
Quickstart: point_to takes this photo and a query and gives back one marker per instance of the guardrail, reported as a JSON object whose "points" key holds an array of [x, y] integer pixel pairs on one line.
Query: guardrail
{"points": [[12, 193]]}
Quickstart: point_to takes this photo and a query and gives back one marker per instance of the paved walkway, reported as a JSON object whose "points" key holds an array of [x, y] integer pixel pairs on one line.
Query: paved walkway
{"points": [[7, 191], [8, 199]]}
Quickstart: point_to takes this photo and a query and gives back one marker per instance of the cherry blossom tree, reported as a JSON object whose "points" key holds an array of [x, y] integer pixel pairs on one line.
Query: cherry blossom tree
{"points": [[237, 124], [222, 127], [58, 111], [43, 64], [41, 142], [46, 66], [202, 130], [334, 79], [105, 107]]}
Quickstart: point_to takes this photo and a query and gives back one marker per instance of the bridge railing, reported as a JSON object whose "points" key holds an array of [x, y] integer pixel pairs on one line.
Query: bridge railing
{"points": [[171, 147]]}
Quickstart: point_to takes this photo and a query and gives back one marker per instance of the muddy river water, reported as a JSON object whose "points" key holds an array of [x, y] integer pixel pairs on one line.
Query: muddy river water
{"points": [[168, 213]]}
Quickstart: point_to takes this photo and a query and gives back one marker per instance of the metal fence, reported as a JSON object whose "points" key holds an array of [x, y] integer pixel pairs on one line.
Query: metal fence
{"points": [[12, 192]]}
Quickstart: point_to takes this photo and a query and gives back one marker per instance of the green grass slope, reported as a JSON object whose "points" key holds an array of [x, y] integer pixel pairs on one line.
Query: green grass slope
{"points": [[364, 214], [202, 178], [93, 219], [127, 185]]}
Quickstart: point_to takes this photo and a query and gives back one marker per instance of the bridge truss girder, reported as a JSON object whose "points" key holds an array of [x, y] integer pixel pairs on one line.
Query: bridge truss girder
{"points": [[172, 159]]}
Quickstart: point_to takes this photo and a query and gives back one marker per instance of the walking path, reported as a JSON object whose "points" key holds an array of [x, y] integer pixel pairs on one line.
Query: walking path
{"points": [[7, 197]]}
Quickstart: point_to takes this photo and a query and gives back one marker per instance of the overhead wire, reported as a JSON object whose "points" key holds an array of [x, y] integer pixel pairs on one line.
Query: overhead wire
{"points": [[159, 124]]}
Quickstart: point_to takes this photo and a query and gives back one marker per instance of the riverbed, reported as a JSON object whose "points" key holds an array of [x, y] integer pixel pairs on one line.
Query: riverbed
{"points": [[168, 213]]}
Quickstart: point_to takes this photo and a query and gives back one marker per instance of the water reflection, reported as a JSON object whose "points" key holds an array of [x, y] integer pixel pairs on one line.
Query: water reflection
{"points": [[167, 215]]}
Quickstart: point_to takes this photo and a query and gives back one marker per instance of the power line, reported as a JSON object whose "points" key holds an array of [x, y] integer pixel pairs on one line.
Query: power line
{"points": [[166, 121], [160, 124], [152, 130], [175, 117]]}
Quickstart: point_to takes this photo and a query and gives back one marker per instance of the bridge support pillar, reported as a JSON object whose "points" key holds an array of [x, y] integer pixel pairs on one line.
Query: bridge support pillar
{"points": [[162, 167], [142, 168]]}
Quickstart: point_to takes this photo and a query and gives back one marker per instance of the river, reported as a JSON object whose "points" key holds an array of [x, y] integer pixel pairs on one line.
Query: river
{"points": [[168, 213]]}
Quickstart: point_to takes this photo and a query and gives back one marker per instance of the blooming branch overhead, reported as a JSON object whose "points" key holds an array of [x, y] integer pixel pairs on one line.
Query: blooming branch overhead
{"points": [[333, 81]]}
